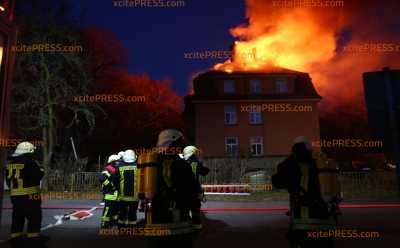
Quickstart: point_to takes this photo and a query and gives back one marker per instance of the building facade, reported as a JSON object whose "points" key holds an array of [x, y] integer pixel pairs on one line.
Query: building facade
{"points": [[382, 97], [251, 114]]}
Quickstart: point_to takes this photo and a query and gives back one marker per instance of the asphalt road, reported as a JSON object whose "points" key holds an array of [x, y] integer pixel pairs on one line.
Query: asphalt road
{"points": [[250, 224]]}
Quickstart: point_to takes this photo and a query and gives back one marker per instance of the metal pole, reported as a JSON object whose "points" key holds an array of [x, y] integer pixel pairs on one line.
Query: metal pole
{"points": [[73, 148]]}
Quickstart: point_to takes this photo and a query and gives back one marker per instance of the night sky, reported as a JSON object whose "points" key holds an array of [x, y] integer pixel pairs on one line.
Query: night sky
{"points": [[157, 38]]}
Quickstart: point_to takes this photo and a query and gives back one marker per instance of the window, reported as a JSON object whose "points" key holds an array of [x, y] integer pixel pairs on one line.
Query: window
{"points": [[281, 86], [255, 86], [231, 145], [256, 144], [230, 115], [229, 86], [255, 117]]}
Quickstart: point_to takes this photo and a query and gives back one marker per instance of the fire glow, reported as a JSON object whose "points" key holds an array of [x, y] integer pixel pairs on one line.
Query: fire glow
{"points": [[312, 40], [288, 44]]}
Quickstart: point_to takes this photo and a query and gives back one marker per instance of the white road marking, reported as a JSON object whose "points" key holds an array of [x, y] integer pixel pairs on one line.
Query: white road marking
{"points": [[61, 219]]}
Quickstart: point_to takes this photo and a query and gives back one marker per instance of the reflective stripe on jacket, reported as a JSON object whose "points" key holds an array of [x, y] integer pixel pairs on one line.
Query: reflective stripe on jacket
{"points": [[127, 182], [23, 176]]}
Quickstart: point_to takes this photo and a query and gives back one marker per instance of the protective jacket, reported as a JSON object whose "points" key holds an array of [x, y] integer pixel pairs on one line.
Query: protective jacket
{"points": [[198, 168], [109, 182], [23, 176], [299, 175], [127, 182]]}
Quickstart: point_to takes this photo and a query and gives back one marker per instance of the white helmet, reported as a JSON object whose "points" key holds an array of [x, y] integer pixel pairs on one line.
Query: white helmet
{"points": [[120, 154], [113, 158], [129, 156], [167, 137], [23, 148], [188, 151], [302, 139]]}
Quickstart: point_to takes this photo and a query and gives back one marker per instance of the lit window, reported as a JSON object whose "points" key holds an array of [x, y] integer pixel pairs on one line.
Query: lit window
{"points": [[281, 86], [231, 145], [255, 117], [256, 144], [255, 86], [230, 115], [229, 86]]}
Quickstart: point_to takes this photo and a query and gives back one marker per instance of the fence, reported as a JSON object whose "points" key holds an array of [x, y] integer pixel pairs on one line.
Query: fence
{"points": [[378, 184], [75, 182], [354, 184]]}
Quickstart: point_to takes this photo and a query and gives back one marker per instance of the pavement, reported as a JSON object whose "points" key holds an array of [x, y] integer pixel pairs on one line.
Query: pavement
{"points": [[227, 223]]}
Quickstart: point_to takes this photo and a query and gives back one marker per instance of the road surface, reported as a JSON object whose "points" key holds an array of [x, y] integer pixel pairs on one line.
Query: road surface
{"points": [[227, 224]]}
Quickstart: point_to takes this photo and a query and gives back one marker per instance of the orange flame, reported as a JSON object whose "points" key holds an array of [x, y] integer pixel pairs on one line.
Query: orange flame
{"points": [[291, 44], [310, 40]]}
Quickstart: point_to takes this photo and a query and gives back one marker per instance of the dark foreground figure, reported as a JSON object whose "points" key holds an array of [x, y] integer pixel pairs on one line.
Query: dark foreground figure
{"points": [[308, 211]]}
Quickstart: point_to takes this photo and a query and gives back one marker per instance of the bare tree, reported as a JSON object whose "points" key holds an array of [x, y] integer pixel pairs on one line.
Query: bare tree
{"points": [[47, 82]]}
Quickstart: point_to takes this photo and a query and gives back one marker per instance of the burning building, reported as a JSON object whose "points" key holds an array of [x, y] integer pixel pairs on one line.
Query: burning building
{"points": [[251, 114]]}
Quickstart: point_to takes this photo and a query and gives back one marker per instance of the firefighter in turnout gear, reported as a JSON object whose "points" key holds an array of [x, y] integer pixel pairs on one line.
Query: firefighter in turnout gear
{"points": [[308, 210], [128, 197], [23, 176], [166, 188], [176, 184], [190, 155], [109, 185], [162, 198]]}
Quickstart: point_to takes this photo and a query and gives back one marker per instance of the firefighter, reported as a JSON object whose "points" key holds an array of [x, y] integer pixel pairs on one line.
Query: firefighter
{"points": [[23, 176], [128, 198], [190, 155], [308, 211], [109, 185], [177, 184]]}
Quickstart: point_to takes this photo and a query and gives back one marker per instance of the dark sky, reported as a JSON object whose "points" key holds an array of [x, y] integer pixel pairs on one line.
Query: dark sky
{"points": [[157, 38]]}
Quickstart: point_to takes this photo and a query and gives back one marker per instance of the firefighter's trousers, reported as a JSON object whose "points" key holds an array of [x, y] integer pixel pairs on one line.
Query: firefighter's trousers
{"points": [[195, 213], [109, 217], [127, 213], [25, 207]]}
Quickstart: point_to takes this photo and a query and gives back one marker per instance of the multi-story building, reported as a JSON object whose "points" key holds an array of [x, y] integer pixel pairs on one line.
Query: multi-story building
{"points": [[251, 114]]}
